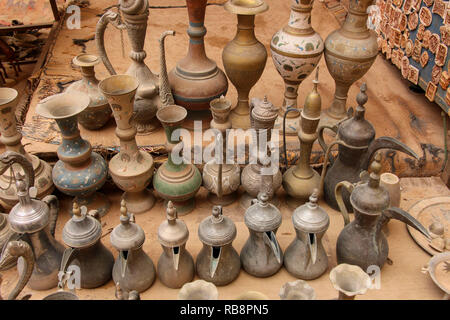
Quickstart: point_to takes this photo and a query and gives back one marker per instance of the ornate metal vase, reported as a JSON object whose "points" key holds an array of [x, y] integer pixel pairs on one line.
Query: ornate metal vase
{"points": [[135, 15], [11, 138], [79, 171], [35, 221], [263, 115], [82, 234], [296, 50], [218, 262], [196, 80], [97, 114], [221, 179], [299, 180], [244, 58], [177, 182], [130, 169], [175, 265], [305, 258], [349, 53], [133, 268]]}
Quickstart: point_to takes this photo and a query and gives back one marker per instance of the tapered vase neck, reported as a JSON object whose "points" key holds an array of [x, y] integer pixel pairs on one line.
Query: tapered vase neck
{"points": [[245, 34], [300, 20], [355, 24], [88, 74]]}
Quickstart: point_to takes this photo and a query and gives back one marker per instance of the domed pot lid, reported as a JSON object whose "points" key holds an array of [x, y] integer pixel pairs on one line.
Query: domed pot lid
{"points": [[217, 230], [28, 215], [262, 216], [127, 235], [263, 111], [310, 217], [369, 197], [82, 230], [172, 232]]}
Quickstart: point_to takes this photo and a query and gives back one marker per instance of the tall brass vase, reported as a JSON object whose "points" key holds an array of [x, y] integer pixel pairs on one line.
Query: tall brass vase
{"points": [[349, 53], [244, 58]]}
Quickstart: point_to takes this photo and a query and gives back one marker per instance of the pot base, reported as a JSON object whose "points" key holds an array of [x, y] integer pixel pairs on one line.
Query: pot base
{"points": [[246, 201], [139, 202], [326, 119], [147, 128], [183, 207], [197, 115], [97, 201], [292, 125], [225, 200], [241, 121]]}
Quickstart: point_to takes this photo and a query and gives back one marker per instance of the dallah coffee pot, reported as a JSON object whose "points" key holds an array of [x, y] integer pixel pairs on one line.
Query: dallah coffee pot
{"points": [[35, 221], [218, 262], [175, 265], [357, 145], [362, 241], [305, 258], [82, 234], [133, 268]]}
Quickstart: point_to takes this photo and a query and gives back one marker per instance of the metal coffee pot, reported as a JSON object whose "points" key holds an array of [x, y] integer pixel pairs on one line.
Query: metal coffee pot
{"points": [[175, 265], [357, 145], [34, 221], [82, 234], [362, 241], [133, 268], [305, 258], [218, 262], [261, 255]]}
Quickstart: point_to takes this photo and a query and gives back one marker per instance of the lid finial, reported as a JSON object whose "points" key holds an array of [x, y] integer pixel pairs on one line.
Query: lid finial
{"points": [[217, 214], [123, 208], [171, 212], [375, 169], [76, 209], [314, 197], [361, 97], [316, 79], [263, 197]]}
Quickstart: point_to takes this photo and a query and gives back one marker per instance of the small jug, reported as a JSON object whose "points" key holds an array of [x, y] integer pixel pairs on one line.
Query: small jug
{"points": [[261, 255], [305, 258], [82, 233], [133, 268], [218, 262], [362, 241], [175, 265]]}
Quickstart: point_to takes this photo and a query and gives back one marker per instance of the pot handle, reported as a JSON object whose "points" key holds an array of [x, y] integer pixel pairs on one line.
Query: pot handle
{"points": [[113, 18], [325, 165], [288, 109], [53, 203], [8, 158], [340, 201], [322, 140]]}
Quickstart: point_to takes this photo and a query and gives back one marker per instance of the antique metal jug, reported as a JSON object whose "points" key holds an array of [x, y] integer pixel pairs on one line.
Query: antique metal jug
{"points": [[98, 113], [299, 180], [133, 268], [349, 53], [244, 58], [357, 145], [12, 252], [175, 265], [80, 172], [296, 50], [178, 182], [261, 255], [11, 137], [362, 241], [218, 262], [221, 179], [262, 117], [196, 80], [305, 258], [135, 15], [35, 221], [131, 169], [82, 234]]}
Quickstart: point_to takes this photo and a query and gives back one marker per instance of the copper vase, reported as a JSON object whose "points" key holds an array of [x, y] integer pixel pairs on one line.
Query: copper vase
{"points": [[196, 80], [244, 58]]}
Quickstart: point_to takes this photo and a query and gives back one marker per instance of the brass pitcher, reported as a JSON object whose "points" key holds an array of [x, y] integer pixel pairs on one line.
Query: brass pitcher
{"points": [[175, 265], [218, 262], [133, 268], [82, 234], [34, 221], [135, 16], [261, 255], [356, 142], [362, 241], [305, 258]]}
